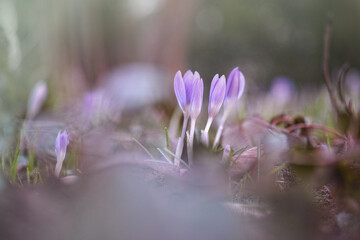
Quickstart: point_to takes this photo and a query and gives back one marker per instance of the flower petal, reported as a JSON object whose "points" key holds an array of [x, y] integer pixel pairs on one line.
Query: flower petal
{"points": [[61, 142], [217, 95], [196, 98], [180, 92], [235, 86], [241, 84], [213, 84], [188, 81]]}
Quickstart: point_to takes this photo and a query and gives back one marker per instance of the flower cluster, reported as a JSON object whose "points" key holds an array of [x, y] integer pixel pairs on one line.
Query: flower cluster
{"points": [[189, 90]]}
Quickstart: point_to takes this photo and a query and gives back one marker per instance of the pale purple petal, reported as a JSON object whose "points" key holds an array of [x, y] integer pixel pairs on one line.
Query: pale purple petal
{"points": [[213, 84], [180, 91], [57, 142], [188, 81], [241, 84], [61, 143], [196, 75], [196, 98], [232, 87], [217, 95], [188, 73], [235, 85], [230, 80]]}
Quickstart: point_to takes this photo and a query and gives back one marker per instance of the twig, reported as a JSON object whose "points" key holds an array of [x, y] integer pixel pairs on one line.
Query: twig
{"points": [[281, 119], [340, 79], [344, 68], [326, 67], [315, 126]]}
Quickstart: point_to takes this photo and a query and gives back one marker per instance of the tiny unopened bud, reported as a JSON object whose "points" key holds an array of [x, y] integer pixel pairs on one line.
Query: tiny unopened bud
{"points": [[226, 154], [61, 143]]}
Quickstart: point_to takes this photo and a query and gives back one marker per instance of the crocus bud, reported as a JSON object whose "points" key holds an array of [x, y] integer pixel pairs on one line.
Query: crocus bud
{"points": [[196, 98], [217, 94], [235, 86], [37, 99], [61, 142], [183, 86]]}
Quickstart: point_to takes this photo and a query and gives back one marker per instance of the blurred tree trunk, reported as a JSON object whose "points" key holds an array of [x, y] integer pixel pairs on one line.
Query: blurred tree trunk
{"points": [[167, 36], [85, 39]]}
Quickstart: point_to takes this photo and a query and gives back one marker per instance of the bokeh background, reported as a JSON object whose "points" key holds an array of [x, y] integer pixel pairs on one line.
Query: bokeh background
{"points": [[73, 44], [103, 71]]}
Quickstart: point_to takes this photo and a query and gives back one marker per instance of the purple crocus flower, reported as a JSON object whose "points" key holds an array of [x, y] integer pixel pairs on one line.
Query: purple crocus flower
{"points": [[36, 100], [61, 143], [216, 99], [217, 94], [235, 86], [188, 100], [234, 90], [183, 86]]}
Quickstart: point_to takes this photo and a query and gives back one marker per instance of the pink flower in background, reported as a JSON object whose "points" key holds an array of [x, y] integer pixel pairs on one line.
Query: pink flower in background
{"points": [[281, 90]]}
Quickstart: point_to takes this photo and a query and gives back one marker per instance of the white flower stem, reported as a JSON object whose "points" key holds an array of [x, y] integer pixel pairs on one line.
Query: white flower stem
{"points": [[205, 138], [191, 141], [189, 149], [205, 132], [192, 130], [178, 151], [58, 166], [208, 124], [220, 129], [180, 144]]}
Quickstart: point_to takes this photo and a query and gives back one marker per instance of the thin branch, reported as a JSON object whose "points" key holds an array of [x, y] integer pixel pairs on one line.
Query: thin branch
{"points": [[315, 126], [340, 79], [326, 73], [281, 119], [344, 68]]}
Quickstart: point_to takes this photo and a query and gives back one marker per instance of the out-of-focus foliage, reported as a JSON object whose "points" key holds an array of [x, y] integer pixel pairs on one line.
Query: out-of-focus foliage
{"points": [[271, 38]]}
